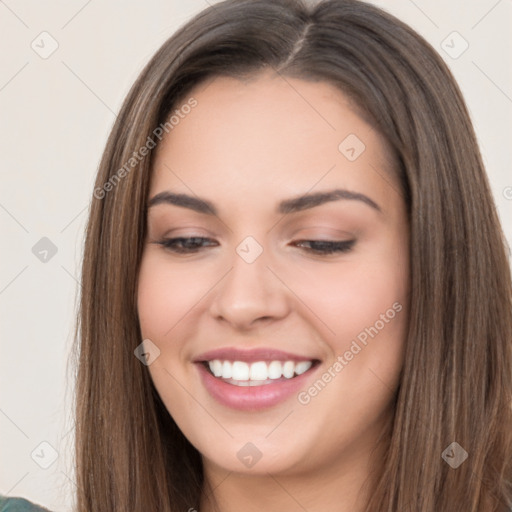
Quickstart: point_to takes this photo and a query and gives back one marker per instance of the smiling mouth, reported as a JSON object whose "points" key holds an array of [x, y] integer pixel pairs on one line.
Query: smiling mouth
{"points": [[257, 373]]}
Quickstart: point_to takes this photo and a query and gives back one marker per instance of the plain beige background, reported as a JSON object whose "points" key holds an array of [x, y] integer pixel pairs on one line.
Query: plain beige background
{"points": [[56, 113]]}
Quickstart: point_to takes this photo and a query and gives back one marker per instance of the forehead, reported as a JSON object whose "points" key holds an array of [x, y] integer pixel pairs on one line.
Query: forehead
{"points": [[270, 137]]}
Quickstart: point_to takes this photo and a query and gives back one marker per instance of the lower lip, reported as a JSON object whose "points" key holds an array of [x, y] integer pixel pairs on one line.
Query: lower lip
{"points": [[252, 398]]}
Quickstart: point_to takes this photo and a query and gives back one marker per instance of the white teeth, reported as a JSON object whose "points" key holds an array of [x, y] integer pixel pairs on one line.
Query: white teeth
{"points": [[275, 370], [302, 367], [240, 370], [257, 372], [227, 372], [216, 367], [288, 369]]}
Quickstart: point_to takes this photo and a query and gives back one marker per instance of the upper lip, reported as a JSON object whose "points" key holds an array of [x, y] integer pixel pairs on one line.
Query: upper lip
{"points": [[250, 355]]}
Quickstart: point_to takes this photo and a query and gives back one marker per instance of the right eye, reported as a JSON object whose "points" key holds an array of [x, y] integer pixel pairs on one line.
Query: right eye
{"points": [[186, 245]]}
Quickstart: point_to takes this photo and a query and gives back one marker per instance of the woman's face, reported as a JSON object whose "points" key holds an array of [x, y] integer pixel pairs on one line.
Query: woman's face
{"points": [[258, 182]]}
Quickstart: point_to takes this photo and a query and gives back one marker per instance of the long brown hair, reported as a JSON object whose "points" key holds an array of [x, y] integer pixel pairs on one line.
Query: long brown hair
{"points": [[456, 383]]}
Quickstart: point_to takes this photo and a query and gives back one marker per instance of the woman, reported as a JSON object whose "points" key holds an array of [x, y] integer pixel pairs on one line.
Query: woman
{"points": [[295, 292]]}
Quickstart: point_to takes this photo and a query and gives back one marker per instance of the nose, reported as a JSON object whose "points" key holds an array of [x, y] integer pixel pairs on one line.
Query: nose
{"points": [[249, 295]]}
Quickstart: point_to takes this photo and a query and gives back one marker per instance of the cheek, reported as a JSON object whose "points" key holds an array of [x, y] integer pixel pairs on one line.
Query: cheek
{"points": [[166, 296], [350, 298], [367, 311], [364, 304], [165, 303]]}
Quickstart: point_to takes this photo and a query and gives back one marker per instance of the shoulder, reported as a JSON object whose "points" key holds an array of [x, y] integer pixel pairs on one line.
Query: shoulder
{"points": [[19, 505]]}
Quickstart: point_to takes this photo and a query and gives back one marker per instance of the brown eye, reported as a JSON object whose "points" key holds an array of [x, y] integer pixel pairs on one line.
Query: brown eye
{"points": [[186, 245], [326, 246]]}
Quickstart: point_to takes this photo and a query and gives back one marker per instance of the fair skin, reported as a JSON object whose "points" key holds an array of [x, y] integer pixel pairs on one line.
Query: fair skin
{"points": [[245, 147]]}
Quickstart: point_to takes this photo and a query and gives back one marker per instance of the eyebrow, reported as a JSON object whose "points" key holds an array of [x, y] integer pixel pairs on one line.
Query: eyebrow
{"points": [[293, 205]]}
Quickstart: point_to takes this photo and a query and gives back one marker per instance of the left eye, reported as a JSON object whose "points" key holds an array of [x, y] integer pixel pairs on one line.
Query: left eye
{"points": [[187, 245], [326, 246]]}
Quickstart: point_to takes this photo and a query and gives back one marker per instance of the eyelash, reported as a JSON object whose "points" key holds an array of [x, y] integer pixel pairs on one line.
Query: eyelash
{"points": [[326, 246]]}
